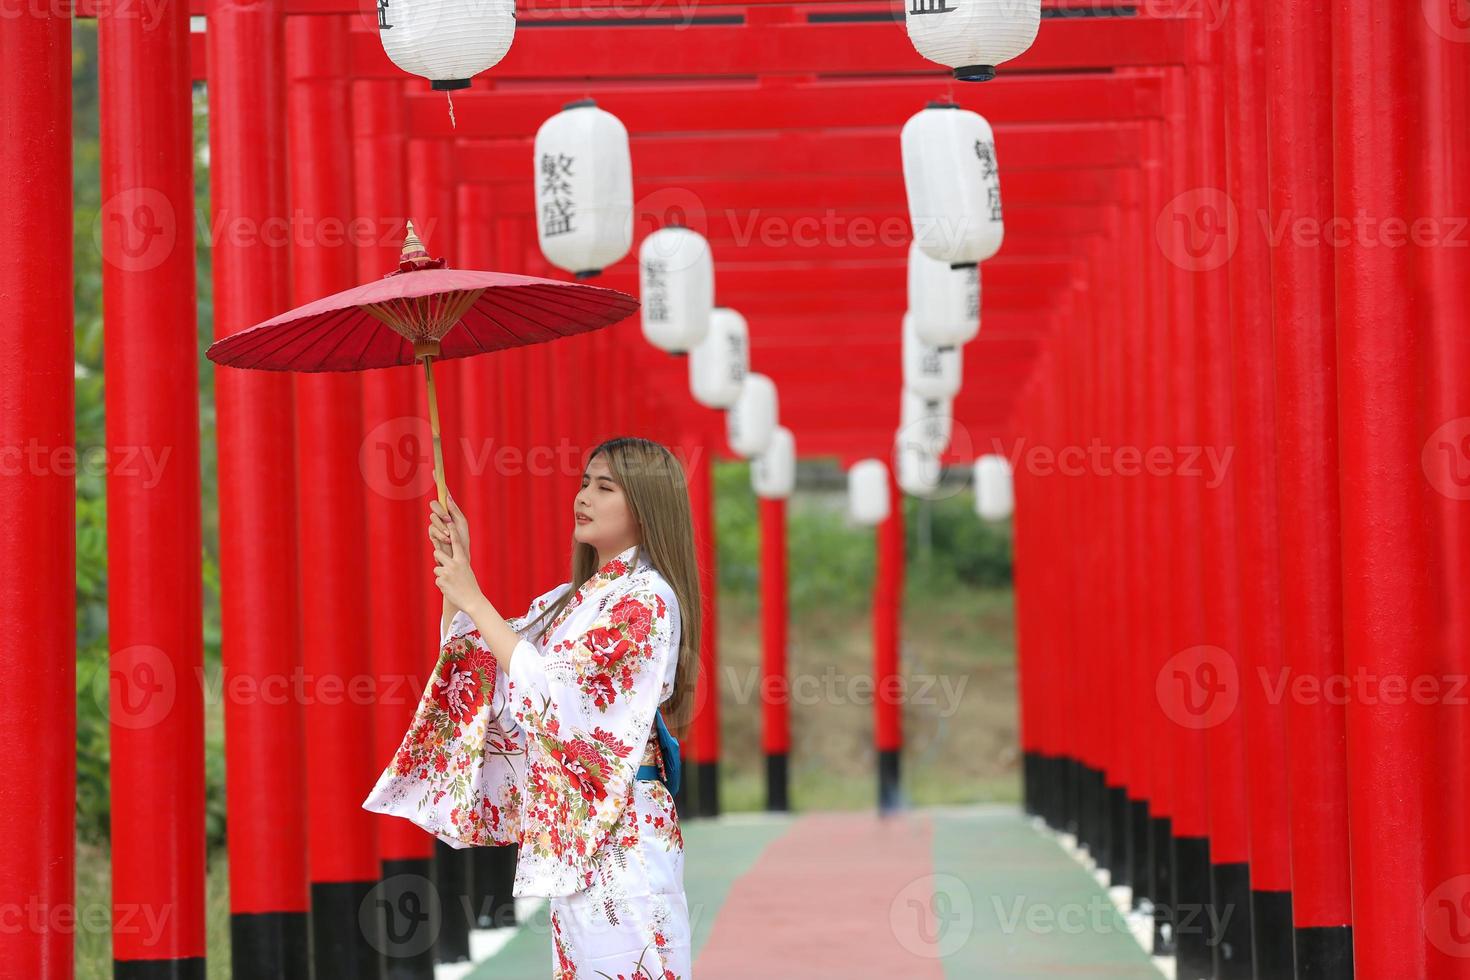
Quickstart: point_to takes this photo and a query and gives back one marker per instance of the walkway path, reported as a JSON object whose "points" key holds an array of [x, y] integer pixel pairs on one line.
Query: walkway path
{"points": [[932, 894]]}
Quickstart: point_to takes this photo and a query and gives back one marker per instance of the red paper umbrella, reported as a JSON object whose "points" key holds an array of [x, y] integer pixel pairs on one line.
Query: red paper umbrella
{"points": [[422, 311]]}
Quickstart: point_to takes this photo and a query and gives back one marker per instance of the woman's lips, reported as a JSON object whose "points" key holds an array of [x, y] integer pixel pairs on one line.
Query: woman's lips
{"points": [[581, 519]]}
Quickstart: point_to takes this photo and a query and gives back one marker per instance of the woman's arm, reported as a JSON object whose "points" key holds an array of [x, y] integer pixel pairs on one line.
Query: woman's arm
{"points": [[494, 630], [449, 611]]}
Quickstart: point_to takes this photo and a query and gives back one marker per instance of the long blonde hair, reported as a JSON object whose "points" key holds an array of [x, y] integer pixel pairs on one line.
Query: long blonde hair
{"points": [[658, 497]]}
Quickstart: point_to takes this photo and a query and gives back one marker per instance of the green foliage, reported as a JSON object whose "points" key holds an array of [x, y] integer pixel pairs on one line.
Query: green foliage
{"points": [[950, 547], [830, 562]]}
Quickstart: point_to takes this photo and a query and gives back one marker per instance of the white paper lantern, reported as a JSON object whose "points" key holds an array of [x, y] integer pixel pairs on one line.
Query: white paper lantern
{"points": [[676, 278], [773, 472], [929, 371], [927, 421], [972, 36], [953, 184], [867, 492], [917, 470], [584, 189], [752, 420], [994, 491], [446, 41], [945, 302], [719, 363]]}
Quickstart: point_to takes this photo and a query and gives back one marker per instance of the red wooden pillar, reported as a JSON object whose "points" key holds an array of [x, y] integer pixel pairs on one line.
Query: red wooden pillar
{"points": [[887, 628], [704, 733], [38, 504], [1445, 200], [775, 700], [1134, 380], [1119, 321], [397, 467], [1387, 578], [1157, 412], [1090, 645], [1257, 529], [1298, 63], [1181, 670], [488, 507], [333, 511], [511, 482], [483, 499], [545, 396], [153, 541], [1220, 942], [266, 789]]}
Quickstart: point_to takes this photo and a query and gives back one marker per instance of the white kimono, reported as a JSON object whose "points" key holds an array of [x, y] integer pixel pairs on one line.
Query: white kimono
{"points": [[547, 758]]}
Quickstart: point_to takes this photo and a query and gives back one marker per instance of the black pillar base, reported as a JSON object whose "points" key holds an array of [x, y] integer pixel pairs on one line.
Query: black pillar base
{"points": [[777, 783], [1087, 809], [1230, 898], [1120, 841], [494, 882], [707, 785], [890, 794], [270, 944], [1140, 853], [1272, 935], [452, 876], [1071, 796], [410, 913], [1193, 930], [187, 968], [1162, 848], [1324, 953], [340, 943], [1045, 794]]}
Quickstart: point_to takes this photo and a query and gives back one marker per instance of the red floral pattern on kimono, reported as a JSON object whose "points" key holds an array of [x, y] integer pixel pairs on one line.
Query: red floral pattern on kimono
{"points": [[545, 755]]}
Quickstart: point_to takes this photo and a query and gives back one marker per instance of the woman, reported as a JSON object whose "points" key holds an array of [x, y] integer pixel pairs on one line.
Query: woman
{"points": [[544, 730]]}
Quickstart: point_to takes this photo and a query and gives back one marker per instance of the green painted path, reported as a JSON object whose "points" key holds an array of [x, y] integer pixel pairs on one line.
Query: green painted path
{"points": [[930, 894]]}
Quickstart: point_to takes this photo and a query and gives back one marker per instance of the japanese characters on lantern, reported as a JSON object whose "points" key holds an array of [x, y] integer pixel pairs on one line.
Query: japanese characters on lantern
{"points": [[677, 286], [584, 189], [719, 363], [952, 180]]}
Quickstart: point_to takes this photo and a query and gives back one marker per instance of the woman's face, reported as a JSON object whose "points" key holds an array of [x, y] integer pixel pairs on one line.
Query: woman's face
{"points": [[603, 518]]}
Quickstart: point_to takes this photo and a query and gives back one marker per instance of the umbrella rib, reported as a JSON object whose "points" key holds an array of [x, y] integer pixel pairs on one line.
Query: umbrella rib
{"points": [[274, 339], [556, 303], [521, 313], [489, 300]]}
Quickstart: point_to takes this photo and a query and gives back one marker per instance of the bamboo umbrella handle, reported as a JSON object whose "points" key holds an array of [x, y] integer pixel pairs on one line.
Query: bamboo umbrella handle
{"points": [[434, 428]]}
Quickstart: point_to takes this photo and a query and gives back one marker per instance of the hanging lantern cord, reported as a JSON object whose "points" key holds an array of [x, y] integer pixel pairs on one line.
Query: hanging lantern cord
{"points": [[450, 96]]}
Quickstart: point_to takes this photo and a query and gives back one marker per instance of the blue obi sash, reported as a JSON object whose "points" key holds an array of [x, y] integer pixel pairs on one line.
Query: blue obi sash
{"points": [[669, 746]]}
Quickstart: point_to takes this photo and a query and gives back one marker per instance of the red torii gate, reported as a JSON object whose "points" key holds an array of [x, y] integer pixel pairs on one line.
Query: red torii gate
{"points": [[1097, 127]]}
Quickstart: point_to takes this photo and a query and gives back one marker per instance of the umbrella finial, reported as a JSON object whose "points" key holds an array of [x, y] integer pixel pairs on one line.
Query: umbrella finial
{"points": [[414, 255]]}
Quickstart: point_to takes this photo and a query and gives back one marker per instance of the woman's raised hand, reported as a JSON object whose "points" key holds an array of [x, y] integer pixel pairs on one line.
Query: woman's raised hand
{"points": [[439, 526]]}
